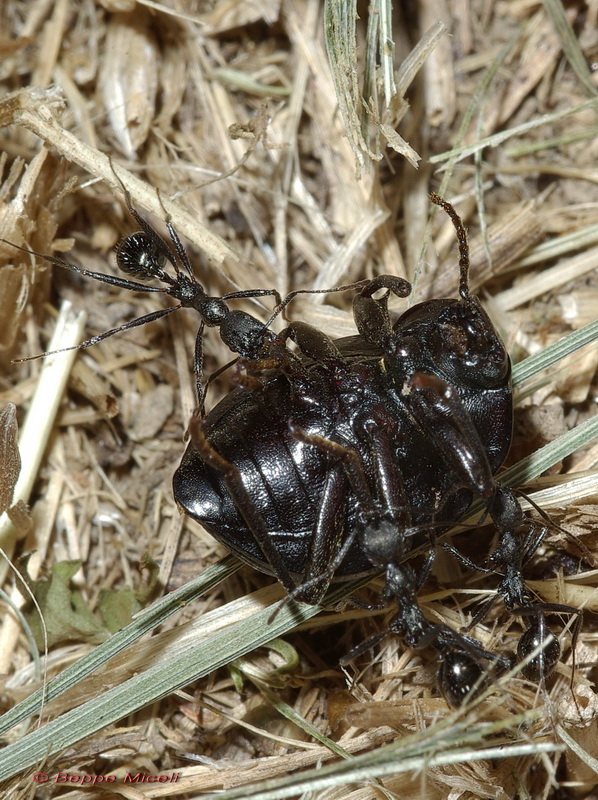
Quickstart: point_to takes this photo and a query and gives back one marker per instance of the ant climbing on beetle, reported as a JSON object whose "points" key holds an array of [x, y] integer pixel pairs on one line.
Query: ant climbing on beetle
{"points": [[145, 254], [342, 457]]}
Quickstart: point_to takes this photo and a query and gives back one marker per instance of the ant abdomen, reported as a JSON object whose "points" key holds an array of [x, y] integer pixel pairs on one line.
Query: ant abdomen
{"points": [[459, 675], [542, 665], [138, 254]]}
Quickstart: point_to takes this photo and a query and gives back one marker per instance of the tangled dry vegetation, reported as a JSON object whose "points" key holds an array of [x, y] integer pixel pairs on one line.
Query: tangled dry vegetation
{"points": [[277, 174]]}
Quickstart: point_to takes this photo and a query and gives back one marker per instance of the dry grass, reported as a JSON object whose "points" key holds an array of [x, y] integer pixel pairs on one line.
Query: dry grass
{"points": [[231, 112]]}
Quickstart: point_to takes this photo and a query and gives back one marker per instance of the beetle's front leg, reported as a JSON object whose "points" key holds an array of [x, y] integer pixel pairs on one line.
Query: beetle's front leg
{"points": [[327, 549], [439, 412], [242, 500], [331, 541], [313, 345]]}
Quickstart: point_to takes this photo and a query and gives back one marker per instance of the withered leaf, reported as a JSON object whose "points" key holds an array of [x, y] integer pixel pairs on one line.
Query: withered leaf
{"points": [[10, 459]]}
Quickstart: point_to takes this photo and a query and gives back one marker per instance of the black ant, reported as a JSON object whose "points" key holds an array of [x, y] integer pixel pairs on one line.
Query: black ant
{"points": [[518, 541], [145, 254], [386, 537]]}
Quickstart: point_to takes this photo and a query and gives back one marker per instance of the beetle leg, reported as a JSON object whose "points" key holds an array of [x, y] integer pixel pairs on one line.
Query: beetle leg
{"points": [[275, 355], [389, 482], [313, 344], [377, 429], [349, 459], [371, 315], [327, 549], [242, 500], [437, 408]]}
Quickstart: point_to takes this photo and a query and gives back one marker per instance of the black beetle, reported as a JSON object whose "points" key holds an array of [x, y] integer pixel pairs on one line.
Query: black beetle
{"points": [[428, 399], [343, 457], [350, 454]]}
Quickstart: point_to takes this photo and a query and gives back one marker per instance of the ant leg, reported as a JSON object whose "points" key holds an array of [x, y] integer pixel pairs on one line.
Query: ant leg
{"points": [[365, 606], [112, 280], [280, 308], [152, 233], [211, 378], [135, 323], [481, 613], [466, 562], [571, 537], [398, 286], [248, 293], [198, 368], [179, 250], [362, 648]]}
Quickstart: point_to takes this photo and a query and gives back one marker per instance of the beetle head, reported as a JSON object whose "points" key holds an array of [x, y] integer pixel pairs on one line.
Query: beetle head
{"points": [[453, 339]]}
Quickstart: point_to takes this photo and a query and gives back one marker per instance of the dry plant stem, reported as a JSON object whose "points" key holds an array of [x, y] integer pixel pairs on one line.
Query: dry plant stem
{"points": [[32, 444], [418, 56], [538, 57], [582, 756], [549, 279], [441, 100], [508, 239], [564, 494], [555, 10], [496, 139], [336, 268], [33, 110], [366, 768], [50, 43]]}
